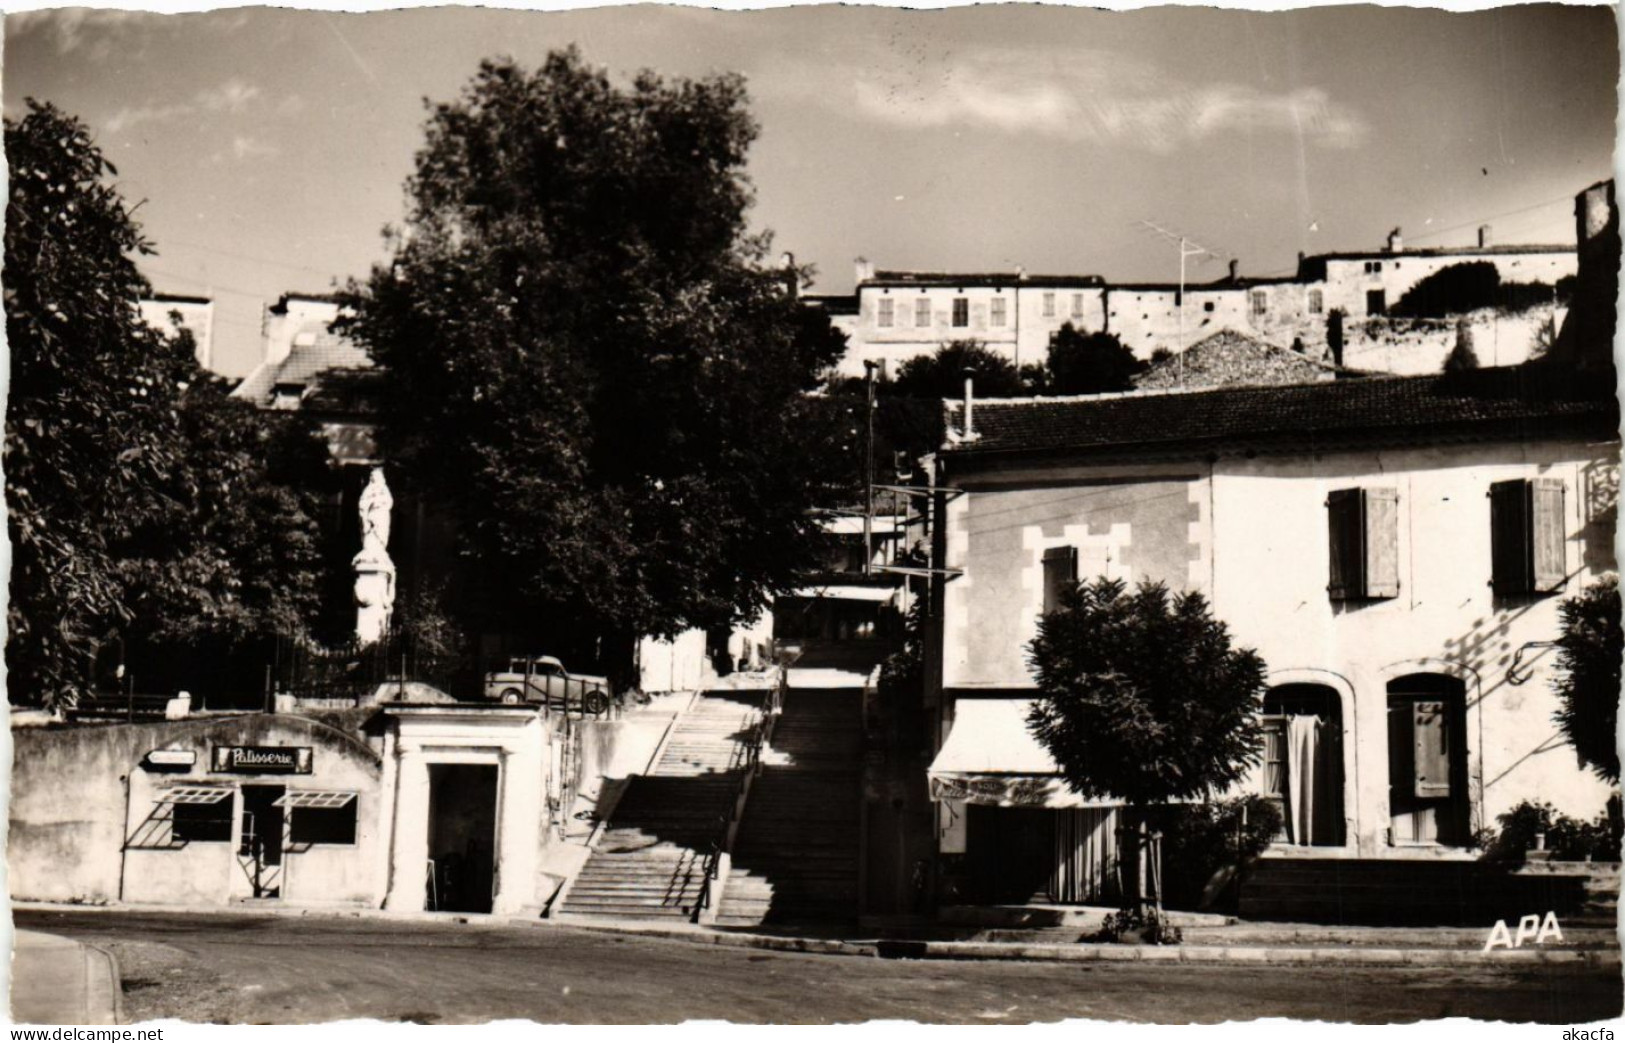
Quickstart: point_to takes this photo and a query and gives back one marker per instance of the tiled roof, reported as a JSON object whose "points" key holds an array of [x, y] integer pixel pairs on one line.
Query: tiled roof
{"points": [[304, 367], [1510, 402], [1230, 358], [1011, 279]]}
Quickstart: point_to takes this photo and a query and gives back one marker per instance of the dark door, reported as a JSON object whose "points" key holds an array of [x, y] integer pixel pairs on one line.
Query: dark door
{"points": [[1427, 760], [1376, 302], [261, 833], [462, 836], [1011, 852]]}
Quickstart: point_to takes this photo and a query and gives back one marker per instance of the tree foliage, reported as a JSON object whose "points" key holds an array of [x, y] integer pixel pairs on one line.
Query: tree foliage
{"points": [[137, 507], [1588, 681], [1089, 363], [941, 374], [1469, 286], [1142, 696], [585, 359]]}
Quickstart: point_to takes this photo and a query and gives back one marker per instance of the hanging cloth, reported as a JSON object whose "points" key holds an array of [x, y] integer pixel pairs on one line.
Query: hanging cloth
{"points": [[1302, 738]]}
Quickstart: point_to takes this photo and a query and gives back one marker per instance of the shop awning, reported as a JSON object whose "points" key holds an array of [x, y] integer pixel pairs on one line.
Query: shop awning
{"points": [[849, 592], [992, 758], [314, 798], [194, 795]]}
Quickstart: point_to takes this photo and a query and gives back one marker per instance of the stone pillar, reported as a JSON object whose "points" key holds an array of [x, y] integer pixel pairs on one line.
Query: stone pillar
{"points": [[374, 571]]}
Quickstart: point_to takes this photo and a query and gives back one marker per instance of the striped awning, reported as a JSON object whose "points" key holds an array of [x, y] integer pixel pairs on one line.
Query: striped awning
{"points": [[194, 795], [314, 798]]}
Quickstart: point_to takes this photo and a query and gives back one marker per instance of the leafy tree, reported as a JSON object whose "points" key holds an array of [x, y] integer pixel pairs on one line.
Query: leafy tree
{"points": [[138, 508], [587, 362], [1334, 335], [1143, 697], [941, 374], [1090, 363], [1588, 681], [90, 432], [1462, 357]]}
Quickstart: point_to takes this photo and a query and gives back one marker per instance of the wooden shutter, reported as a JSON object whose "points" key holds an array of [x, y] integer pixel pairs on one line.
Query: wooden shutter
{"points": [[1381, 543], [1060, 572], [1510, 558], [1431, 733], [1547, 534], [1344, 522]]}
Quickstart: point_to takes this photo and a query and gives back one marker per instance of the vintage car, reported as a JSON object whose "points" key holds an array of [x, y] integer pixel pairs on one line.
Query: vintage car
{"points": [[543, 679]]}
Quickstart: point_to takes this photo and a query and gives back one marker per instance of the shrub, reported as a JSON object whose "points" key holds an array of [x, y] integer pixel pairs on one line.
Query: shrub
{"points": [[1201, 840], [1569, 840]]}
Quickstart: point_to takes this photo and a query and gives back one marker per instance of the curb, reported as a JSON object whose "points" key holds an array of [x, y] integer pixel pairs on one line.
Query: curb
{"points": [[115, 975], [1084, 952]]}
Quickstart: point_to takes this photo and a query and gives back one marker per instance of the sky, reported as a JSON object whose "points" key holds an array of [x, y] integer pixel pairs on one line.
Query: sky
{"points": [[268, 148]]}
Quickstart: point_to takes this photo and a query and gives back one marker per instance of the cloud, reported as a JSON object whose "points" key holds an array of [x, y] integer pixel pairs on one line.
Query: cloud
{"points": [[229, 98], [73, 29], [1083, 97]]}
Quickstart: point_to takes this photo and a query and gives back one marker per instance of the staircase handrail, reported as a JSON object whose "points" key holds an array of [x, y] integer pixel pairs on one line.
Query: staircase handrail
{"points": [[728, 821]]}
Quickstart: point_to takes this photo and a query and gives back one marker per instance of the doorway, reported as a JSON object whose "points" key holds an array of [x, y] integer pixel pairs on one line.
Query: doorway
{"points": [[1376, 302], [1427, 760], [1303, 763], [462, 837], [1011, 853], [260, 839]]}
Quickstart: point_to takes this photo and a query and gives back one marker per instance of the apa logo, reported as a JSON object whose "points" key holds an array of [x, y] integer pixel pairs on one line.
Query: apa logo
{"points": [[1531, 927]]}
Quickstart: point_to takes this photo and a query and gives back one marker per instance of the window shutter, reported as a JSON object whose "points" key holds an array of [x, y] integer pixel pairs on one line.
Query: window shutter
{"points": [[1549, 557], [1344, 522], [1431, 732], [1509, 538], [1381, 543], [1060, 572]]}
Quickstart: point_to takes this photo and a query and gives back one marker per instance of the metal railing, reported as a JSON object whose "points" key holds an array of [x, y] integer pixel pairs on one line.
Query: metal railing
{"points": [[718, 853]]}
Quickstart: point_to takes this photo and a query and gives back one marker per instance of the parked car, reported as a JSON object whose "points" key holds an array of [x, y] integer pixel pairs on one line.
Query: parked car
{"points": [[543, 679]]}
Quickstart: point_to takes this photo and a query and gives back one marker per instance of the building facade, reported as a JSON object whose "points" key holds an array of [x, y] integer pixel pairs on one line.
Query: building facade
{"points": [[1395, 549]]}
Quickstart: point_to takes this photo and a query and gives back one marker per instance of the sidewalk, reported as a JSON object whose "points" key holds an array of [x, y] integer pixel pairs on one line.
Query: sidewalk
{"points": [[56, 981]]}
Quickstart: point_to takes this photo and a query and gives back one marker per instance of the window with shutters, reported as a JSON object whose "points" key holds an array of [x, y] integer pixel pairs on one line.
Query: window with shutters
{"points": [[961, 311], [1060, 573], [1528, 545], [1363, 538], [887, 306]]}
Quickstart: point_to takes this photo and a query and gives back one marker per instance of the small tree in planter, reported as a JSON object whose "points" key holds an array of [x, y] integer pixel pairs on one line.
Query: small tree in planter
{"points": [[1143, 698]]}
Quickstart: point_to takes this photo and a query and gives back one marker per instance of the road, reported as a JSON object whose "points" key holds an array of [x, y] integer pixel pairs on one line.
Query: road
{"points": [[282, 970]]}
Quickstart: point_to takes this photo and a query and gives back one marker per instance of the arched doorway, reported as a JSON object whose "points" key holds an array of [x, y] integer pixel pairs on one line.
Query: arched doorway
{"points": [[1427, 760], [1303, 762]]}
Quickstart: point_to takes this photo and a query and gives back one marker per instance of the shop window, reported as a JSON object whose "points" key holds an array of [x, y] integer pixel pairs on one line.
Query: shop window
{"points": [[961, 311], [996, 311], [319, 817], [1363, 530], [922, 311], [887, 306], [199, 814], [1528, 552], [1060, 573]]}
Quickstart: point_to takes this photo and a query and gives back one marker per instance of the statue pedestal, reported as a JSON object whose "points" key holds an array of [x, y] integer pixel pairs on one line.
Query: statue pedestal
{"points": [[374, 597]]}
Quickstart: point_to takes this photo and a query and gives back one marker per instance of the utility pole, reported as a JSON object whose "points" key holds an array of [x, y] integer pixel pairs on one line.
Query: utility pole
{"points": [[869, 367]]}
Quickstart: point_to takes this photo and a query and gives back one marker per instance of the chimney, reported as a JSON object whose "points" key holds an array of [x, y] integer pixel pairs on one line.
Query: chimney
{"points": [[1396, 242], [1484, 236], [1235, 269], [863, 270], [968, 433]]}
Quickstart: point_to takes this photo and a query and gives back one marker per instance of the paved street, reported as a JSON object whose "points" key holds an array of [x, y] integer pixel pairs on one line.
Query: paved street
{"points": [[270, 969]]}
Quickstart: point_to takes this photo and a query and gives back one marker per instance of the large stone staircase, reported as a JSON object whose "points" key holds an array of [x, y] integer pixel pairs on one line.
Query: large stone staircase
{"points": [[649, 862], [795, 858]]}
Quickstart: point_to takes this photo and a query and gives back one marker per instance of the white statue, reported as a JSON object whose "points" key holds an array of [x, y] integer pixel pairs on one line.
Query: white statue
{"points": [[374, 571]]}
